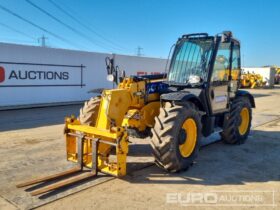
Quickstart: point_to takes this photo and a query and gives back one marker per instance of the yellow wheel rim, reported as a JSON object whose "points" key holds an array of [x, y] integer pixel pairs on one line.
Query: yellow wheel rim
{"points": [[188, 146], [243, 127]]}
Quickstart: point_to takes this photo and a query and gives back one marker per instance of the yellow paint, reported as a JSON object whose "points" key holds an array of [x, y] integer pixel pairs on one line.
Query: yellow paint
{"points": [[245, 118], [186, 149], [149, 112], [126, 106], [140, 119], [92, 130], [114, 105], [132, 119], [153, 97]]}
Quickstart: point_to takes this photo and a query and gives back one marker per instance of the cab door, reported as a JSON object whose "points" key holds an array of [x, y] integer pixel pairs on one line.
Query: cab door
{"points": [[219, 80]]}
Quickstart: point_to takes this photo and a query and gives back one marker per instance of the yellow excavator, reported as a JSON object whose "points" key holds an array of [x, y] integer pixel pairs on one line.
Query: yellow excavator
{"points": [[251, 80], [198, 96], [277, 76]]}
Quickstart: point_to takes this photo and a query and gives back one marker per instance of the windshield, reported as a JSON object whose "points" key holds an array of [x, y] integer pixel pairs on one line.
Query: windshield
{"points": [[190, 60]]}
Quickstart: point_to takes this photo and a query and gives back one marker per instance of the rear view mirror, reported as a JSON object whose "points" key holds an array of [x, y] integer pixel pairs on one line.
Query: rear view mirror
{"points": [[226, 35], [224, 38]]}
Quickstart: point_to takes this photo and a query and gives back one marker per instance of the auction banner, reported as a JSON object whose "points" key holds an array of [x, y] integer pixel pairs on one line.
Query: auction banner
{"points": [[40, 75]]}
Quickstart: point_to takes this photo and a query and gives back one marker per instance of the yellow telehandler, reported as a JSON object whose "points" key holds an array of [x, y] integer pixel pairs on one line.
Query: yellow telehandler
{"points": [[251, 80], [198, 96]]}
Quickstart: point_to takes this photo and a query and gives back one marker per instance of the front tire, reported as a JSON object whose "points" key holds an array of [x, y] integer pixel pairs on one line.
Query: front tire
{"points": [[89, 112], [176, 137]]}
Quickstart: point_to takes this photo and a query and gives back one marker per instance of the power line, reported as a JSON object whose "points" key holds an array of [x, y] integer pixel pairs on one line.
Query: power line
{"points": [[17, 31], [84, 25], [17, 41], [65, 24], [37, 26]]}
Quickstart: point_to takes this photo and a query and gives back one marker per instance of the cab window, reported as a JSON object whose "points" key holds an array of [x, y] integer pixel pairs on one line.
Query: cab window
{"points": [[222, 65], [235, 72]]}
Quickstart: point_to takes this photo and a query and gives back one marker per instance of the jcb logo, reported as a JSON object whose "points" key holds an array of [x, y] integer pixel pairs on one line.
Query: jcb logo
{"points": [[2, 74]]}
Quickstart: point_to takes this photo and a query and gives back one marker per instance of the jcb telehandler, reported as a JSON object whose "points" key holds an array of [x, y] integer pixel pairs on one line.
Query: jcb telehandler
{"points": [[198, 96]]}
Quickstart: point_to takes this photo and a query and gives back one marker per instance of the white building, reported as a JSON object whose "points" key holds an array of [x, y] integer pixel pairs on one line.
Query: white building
{"points": [[35, 76]]}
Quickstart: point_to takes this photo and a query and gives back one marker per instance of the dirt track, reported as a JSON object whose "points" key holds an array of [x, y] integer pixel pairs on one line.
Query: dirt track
{"points": [[31, 144]]}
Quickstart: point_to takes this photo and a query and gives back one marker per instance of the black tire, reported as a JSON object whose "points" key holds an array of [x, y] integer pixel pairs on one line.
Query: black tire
{"points": [[231, 133], [166, 141], [89, 112]]}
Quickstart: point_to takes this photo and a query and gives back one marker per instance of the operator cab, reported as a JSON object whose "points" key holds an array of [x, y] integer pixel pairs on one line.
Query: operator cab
{"points": [[210, 64]]}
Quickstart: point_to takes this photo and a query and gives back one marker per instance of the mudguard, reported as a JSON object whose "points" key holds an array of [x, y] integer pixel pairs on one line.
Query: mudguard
{"points": [[181, 97], [245, 93]]}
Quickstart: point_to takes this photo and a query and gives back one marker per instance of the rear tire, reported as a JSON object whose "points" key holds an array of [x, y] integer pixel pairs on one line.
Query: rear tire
{"points": [[176, 137], [237, 126], [89, 112]]}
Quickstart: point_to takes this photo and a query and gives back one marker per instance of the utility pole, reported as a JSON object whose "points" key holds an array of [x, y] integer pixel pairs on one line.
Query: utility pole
{"points": [[139, 51], [43, 41]]}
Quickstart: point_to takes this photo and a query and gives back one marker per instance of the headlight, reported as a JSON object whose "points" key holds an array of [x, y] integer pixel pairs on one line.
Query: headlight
{"points": [[110, 78]]}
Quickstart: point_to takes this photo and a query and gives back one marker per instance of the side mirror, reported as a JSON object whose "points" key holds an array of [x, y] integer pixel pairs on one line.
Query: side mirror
{"points": [[224, 38], [226, 35]]}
